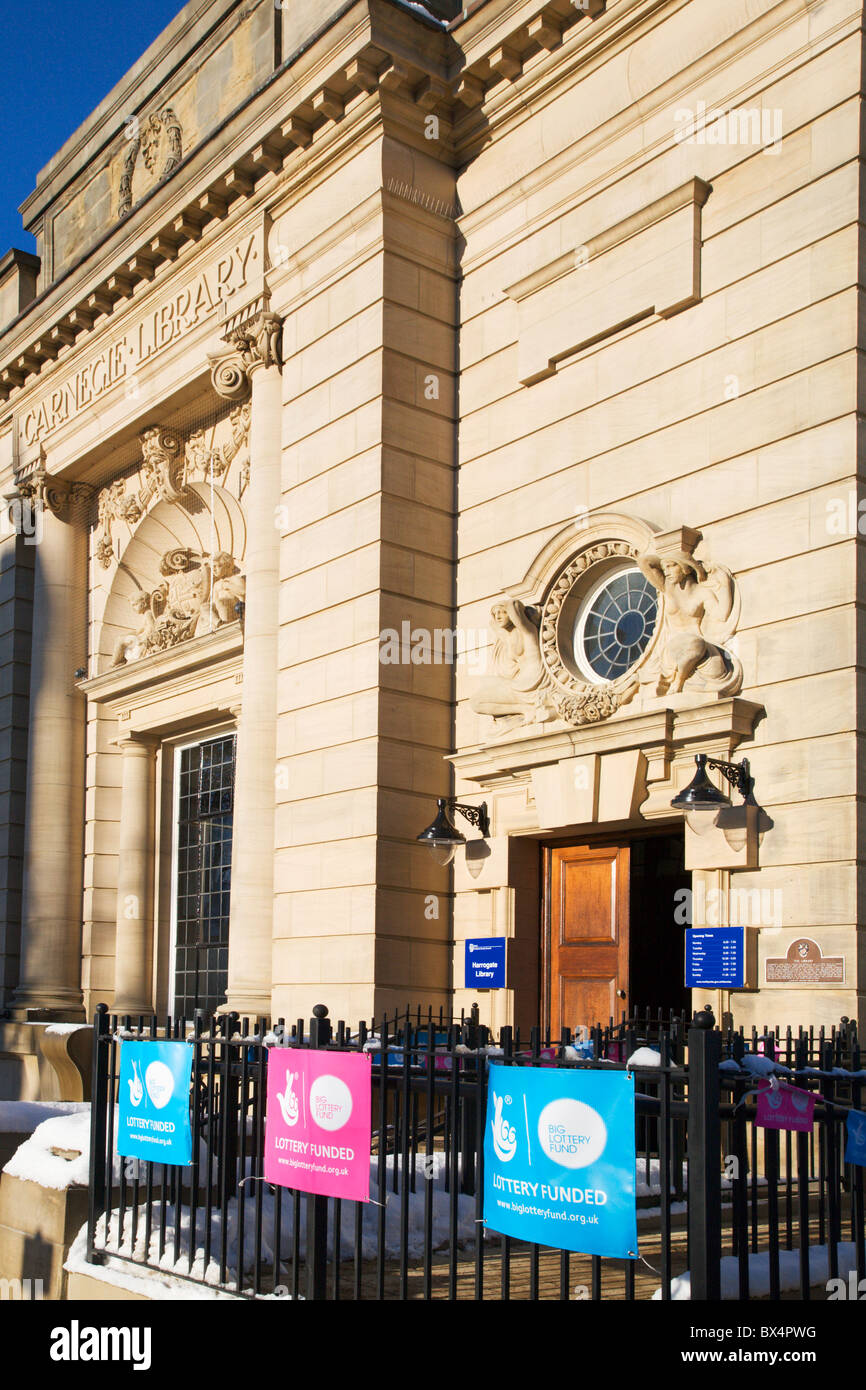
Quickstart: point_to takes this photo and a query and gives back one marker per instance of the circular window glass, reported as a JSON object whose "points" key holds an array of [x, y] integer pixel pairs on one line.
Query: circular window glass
{"points": [[615, 624]]}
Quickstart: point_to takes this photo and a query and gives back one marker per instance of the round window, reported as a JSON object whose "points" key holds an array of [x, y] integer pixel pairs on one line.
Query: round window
{"points": [[615, 624]]}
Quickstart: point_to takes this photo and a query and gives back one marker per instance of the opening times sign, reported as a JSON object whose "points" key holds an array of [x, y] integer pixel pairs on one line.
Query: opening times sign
{"points": [[716, 958]]}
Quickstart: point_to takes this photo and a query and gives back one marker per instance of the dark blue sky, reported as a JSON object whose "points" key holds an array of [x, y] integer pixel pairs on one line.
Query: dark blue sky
{"points": [[58, 61]]}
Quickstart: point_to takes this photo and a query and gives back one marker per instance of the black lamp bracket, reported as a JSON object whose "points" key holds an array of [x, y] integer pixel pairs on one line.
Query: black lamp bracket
{"points": [[476, 815], [737, 774]]}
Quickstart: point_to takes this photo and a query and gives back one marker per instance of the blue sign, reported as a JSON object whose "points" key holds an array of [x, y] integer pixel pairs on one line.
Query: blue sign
{"points": [[855, 1149], [153, 1107], [716, 958], [485, 962], [559, 1159]]}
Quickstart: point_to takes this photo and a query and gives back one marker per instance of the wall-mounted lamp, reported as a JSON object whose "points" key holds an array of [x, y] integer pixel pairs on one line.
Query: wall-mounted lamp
{"points": [[443, 837], [701, 800]]}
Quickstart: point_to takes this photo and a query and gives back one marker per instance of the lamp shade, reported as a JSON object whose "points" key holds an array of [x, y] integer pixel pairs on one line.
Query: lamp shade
{"points": [[442, 836], [700, 794]]}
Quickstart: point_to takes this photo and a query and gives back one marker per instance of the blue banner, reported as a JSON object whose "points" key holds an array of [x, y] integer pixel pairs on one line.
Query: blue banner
{"points": [[855, 1148], [559, 1159], [153, 1103]]}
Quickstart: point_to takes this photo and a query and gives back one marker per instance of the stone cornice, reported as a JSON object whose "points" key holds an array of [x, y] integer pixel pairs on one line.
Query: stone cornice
{"points": [[376, 51], [278, 123], [371, 50], [139, 682], [684, 725]]}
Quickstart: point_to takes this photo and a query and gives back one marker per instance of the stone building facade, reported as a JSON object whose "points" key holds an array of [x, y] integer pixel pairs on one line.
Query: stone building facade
{"points": [[408, 404]]}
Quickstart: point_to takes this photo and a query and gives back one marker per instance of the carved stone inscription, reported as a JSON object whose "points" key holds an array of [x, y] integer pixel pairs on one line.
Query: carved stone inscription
{"points": [[147, 336]]}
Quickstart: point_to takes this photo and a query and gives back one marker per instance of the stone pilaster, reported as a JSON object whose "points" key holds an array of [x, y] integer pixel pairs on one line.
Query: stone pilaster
{"points": [[133, 960], [50, 974], [253, 365]]}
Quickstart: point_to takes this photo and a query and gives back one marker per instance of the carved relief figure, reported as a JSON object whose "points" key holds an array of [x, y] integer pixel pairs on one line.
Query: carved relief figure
{"points": [[157, 137], [698, 618], [184, 594], [228, 588], [517, 686], [195, 595], [160, 465], [134, 645]]}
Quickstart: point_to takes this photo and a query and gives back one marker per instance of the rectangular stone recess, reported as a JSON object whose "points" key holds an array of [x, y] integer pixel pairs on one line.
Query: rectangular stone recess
{"points": [[648, 264]]}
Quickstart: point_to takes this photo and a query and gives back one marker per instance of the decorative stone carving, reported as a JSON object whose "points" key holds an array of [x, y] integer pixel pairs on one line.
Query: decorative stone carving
{"points": [[197, 594], [228, 589], [229, 377], [519, 685], [542, 667], [168, 467], [202, 463], [258, 341], [41, 489], [158, 137], [115, 504], [253, 344], [700, 614], [586, 709], [161, 465]]}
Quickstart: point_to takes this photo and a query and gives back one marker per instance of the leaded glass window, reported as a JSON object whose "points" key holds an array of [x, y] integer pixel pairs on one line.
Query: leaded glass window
{"points": [[204, 870], [615, 624]]}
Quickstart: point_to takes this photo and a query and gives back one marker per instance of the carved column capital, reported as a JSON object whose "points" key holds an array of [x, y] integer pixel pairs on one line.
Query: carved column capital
{"points": [[252, 345], [42, 491]]}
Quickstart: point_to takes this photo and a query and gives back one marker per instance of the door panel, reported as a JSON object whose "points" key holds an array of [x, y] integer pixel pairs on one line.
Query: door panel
{"points": [[589, 895]]}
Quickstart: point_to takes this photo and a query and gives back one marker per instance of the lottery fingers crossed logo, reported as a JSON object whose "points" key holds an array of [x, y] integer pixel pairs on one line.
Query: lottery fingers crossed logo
{"points": [[504, 1135]]}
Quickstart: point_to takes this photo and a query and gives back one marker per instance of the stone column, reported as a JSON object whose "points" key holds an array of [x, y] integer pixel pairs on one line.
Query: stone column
{"points": [[133, 957], [254, 365], [50, 970]]}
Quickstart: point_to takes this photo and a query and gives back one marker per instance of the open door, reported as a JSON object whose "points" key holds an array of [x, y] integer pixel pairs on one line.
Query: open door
{"points": [[588, 889]]}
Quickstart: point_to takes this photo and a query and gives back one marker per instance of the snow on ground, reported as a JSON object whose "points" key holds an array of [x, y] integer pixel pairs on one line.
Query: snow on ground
{"points": [[371, 1215], [759, 1272], [118, 1273], [22, 1116], [67, 1027]]}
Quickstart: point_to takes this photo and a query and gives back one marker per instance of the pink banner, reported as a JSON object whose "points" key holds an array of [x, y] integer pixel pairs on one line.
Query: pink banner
{"points": [[317, 1127], [787, 1107]]}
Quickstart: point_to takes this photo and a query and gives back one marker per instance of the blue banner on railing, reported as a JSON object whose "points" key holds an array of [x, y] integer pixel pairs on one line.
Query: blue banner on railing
{"points": [[153, 1103], [559, 1159]]}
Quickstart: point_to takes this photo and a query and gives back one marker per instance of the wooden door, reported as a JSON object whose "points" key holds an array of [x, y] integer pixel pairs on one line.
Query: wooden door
{"points": [[588, 893]]}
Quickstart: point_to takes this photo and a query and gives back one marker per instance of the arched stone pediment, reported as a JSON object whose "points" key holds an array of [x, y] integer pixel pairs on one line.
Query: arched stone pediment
{"points": [[179, 576]]}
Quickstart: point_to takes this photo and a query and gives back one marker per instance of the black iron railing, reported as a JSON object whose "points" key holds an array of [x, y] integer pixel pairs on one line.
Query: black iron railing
{"points": [[712, 1188]]}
